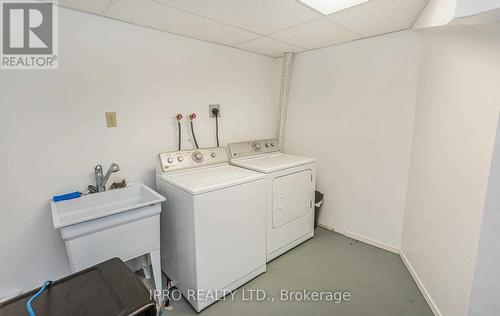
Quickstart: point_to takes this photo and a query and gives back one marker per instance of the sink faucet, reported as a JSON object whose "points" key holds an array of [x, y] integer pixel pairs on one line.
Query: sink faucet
{"points": [[100, 180]]}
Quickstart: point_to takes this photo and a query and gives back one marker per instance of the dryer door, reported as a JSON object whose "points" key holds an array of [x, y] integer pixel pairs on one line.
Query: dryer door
{"points": [[292, 197]]}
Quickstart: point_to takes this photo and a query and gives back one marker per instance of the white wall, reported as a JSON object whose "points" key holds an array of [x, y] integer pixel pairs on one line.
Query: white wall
{"points": [[436, 13], [456, 12], [486, 285], [351, 107], [52, 126], [471, 7], [455, 122]]}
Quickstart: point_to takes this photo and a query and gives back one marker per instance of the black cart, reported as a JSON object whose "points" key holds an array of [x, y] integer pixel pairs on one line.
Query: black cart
{"points": [[108, 289]]}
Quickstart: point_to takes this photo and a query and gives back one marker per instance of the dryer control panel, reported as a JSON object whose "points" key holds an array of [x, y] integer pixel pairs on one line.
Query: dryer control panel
{"points": [[252, 148], [184, 159]]}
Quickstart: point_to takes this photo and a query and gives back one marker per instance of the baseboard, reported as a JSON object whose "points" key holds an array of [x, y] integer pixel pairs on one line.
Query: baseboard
{"points": [[326, 227], [420, 285], [405, 260], [372, 242]]}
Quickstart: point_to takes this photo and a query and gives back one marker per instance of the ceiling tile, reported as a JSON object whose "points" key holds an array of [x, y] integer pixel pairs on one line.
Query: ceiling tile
{"points": [[94, 6], [380, 16], [158, 16], [269, 47], [317, 33], [261, 16]]}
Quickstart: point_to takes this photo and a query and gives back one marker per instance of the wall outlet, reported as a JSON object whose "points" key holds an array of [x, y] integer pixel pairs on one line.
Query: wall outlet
{"points": [[213, 106], [111, 119]]}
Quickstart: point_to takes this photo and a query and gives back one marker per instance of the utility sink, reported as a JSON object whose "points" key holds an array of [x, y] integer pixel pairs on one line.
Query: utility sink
{"points": [[97, 205], [123, 223]]}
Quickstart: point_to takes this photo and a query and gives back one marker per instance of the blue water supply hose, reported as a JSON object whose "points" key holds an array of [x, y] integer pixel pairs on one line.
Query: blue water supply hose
{"points": [[28, 305]]}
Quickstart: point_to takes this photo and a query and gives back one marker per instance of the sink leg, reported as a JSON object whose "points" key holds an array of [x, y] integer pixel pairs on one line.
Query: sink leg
{"points": [[154, 256], [147, 272]]}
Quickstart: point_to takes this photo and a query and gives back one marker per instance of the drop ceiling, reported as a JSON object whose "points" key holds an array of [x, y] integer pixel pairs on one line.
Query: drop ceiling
{"points": [[268, 27]]}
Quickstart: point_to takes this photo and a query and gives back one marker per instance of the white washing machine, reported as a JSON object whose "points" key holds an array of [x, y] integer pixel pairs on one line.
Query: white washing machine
{"points": [[213, 235], [291, 186]]}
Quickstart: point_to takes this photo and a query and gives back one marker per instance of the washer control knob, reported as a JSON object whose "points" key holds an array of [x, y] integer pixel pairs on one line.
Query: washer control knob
{"points": [[197, 157], [170, 160], [256, 146], [180, 158], [272, 144], [213, 155], [267, 144]]}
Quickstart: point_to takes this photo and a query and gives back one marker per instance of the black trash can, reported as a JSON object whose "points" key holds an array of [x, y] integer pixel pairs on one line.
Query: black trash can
{"points": [[107, 289], [318, 201]]}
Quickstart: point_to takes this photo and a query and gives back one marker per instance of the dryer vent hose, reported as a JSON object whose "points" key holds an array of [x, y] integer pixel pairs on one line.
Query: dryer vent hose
{"points": [[285, 86]]}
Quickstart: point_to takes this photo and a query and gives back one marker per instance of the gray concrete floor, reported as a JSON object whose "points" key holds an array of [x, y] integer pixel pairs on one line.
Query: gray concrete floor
{"points": [[377, 280]]}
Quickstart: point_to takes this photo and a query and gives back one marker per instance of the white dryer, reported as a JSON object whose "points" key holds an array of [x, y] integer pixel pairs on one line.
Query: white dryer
{"points": [[291, 186], [213, 235]]}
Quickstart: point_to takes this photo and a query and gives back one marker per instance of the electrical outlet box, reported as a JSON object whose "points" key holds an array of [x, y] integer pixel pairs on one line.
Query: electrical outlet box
{"points": [[111, 119], [213, 106]]}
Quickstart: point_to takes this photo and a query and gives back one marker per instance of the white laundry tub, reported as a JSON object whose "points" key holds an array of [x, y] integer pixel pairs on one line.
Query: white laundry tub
{"points": [[123, 223]]}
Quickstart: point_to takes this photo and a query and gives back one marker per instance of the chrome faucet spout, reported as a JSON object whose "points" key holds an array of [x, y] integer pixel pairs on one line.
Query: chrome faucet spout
{"points": [[112, 168], [101, 180], [98, 174]]}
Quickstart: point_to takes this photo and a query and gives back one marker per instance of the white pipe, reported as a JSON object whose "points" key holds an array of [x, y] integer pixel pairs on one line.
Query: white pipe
{"points": [[285, 85]]}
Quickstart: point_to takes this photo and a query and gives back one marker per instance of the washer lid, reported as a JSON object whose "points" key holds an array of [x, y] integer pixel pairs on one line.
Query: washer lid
{"points": [[272, 162], [202, 180]]}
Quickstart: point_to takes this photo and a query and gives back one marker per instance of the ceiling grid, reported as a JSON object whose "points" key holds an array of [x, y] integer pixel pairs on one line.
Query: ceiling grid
{"points": [[268, 27]]}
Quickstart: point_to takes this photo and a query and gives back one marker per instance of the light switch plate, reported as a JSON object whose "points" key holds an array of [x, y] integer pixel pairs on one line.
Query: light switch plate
{"points": [[111, 119], [213, 106]]}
